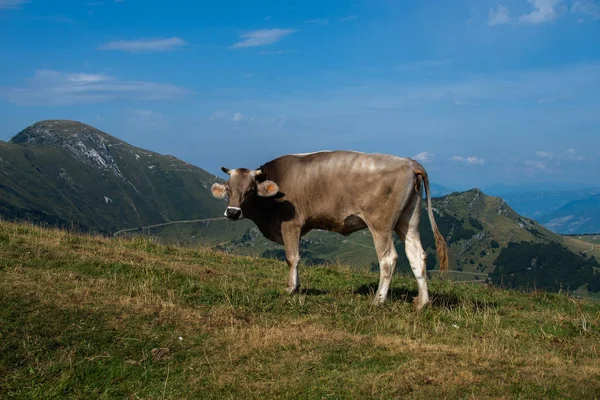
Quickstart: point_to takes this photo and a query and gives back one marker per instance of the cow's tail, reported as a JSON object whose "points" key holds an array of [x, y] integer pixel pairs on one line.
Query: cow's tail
{"points": [[440, 242]]}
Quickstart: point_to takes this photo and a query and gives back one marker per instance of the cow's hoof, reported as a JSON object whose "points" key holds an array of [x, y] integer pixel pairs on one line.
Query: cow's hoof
{"points": [[378, 300], [419, 303], [292, 290]]}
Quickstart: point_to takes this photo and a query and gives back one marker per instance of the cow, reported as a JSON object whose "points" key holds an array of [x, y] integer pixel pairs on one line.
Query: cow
{"points": [[339, 191]]}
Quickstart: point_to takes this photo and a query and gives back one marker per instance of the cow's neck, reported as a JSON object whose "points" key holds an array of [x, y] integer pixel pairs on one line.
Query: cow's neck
{"points": [[265, 214]]}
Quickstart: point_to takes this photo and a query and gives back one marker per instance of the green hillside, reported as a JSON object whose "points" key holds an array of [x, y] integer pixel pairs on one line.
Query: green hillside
{"points": [[85, 316], [65, 173], [482, 232]]}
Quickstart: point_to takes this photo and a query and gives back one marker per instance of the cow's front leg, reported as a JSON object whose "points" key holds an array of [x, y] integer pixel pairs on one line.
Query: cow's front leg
{"points": [[291, 240]]}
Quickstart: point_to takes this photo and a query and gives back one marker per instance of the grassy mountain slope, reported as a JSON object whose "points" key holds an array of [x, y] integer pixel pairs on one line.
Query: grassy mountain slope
{"points": [[478, 229], [85, 317], [66, 173]]}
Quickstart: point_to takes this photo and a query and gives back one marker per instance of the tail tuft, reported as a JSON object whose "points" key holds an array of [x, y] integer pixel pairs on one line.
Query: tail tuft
{"points": [[440, 242]]}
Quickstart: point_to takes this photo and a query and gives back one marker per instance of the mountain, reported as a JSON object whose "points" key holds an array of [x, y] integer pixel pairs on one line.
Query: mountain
{"points": [[539, 204], [576, 217], [503, 189], [69, 174]]}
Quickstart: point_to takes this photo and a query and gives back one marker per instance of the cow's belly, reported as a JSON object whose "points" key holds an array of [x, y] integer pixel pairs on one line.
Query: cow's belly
{"points": [[345, 226]]}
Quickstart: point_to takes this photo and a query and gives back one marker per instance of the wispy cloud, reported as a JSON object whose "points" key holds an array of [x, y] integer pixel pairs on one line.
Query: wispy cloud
{"points": [[262, 37], [550, 163], [144, 45], [349, 18], [543, 154], [536, 165], [234, 119], [423, 156], [546, 100], [544, 11], [498, 16], [571, 155], [51, 88], [12, 3], [468, 160], [587, 7], [318, 21]]}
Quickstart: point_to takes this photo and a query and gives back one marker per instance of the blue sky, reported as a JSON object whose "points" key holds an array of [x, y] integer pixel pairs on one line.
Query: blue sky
{"points": [[481, 92]]}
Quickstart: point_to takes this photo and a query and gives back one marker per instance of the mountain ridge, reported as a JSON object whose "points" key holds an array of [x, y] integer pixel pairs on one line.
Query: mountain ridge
{"points": [[59, 171]]}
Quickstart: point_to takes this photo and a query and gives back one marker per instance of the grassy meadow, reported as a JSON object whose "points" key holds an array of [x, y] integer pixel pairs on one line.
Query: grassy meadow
{"points": [[88, 317]]}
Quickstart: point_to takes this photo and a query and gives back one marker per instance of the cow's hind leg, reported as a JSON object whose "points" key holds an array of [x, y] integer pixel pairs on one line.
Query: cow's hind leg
{"points": [[291, 240], [387, 255], [408, 230]]}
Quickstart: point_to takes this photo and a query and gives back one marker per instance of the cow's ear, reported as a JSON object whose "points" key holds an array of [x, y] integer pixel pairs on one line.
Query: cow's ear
{"points": [[267, 189], [218, 190]]}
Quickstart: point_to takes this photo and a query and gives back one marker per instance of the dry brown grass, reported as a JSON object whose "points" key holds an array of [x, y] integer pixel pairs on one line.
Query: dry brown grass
{"points": [[81, 315]]}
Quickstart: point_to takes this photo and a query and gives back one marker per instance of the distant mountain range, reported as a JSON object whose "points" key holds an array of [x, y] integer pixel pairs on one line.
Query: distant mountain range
{"points": [[68, 174], [572, 211], [579, 216]]}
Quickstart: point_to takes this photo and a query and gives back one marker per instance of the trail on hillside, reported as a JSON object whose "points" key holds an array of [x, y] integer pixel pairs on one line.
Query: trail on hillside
{"points": [[187, 221]]}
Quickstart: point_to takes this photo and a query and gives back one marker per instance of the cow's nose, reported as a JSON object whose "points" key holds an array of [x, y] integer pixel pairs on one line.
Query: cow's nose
{"points": [[233, 212]]}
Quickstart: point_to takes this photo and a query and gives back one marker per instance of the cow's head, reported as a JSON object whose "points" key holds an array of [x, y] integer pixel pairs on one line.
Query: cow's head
{"points": [[241, 189]]}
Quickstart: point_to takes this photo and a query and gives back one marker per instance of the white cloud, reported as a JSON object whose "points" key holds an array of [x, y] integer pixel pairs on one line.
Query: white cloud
{"points": [[423, 156], [261, 37], [218, 115], [588, 7], [318, 21], [543, 154], [571, 155], [544, 11], [537, 165], [498, 16], [12, 3], [48, 87], [87, 78], [227, 118], [144, 45], [468, 160]]}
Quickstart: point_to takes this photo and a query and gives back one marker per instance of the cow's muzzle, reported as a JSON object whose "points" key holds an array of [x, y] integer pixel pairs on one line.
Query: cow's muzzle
{"points": [[234, 213]]}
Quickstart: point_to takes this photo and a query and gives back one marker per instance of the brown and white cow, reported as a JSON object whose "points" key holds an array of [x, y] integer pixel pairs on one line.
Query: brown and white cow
{"points": [[338, 191]]}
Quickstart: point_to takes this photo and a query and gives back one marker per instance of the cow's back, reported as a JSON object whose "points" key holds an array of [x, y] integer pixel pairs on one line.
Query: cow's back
{"points": [[334, 184]]}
